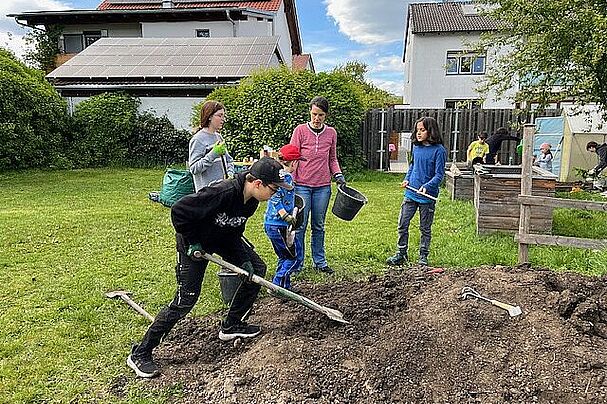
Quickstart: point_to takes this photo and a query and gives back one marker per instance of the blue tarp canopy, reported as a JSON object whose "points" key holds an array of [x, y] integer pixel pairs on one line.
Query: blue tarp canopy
{"points": [[550, 130]]}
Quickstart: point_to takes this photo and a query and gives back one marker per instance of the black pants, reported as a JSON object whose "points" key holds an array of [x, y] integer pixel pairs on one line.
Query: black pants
{"points": [[490, 158], [190, 275]]}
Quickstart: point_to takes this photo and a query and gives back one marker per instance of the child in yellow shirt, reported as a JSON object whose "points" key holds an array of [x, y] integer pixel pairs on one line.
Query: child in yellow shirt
{"points": [[478, 150]]}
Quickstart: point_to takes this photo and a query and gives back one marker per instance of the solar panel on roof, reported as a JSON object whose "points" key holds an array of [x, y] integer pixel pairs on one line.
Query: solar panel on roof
{"points": [[170, 57]]}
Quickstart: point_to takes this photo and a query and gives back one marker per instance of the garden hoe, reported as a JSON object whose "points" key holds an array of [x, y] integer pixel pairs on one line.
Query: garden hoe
{"points": [[121, 294], [512, 310], [418, 191], [333, 314]]}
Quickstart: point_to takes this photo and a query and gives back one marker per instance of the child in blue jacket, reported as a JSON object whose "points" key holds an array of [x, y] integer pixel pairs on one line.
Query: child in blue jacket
{"points": [[425, 174], [279, 216]]}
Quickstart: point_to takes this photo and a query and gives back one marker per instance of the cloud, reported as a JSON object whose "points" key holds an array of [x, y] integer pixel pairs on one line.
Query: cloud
{"points": [[391, 86], [387, 64], [369, 22], [11, 33]]}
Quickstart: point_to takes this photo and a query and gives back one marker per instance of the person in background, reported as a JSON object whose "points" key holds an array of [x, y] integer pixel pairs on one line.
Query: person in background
{"points": [[425, 174], [213, 221], [279, 216], [477, 150], [545, 158], [317, 143], [495, 143], [601, 151], [209, 159]]}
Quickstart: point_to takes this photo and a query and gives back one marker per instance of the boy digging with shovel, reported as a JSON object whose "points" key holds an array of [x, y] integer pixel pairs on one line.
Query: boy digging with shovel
{"points": [[213, 221]]}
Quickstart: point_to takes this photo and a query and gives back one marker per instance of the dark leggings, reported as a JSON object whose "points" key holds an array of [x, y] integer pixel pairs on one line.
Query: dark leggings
{"points": [[190, 275]]}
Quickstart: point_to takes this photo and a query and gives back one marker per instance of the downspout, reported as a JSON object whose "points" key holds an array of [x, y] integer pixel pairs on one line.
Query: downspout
{"points": [[233, 23]]}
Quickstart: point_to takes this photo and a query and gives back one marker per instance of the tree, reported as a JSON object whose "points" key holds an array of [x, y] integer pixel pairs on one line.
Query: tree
{"points": [[371, 96], [33, 118], [43, 47], [555, 49]]}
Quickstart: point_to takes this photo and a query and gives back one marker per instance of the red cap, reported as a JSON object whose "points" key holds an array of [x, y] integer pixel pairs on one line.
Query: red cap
{"points": [[290, 152]]}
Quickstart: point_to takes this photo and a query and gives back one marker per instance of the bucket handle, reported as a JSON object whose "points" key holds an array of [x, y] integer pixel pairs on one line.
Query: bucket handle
{"points": [[340, 188]]}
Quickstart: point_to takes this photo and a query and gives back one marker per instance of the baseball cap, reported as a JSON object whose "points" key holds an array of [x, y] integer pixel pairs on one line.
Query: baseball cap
{"points": [[290, 152], [270, 171]]}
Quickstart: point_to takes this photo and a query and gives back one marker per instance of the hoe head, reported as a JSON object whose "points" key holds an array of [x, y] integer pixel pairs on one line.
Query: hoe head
{"points": [[117, 293]]}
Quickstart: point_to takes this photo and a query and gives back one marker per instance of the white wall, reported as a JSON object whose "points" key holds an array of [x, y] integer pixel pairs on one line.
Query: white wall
{"points": [[177, 109], [131, 30], [426, 83], [281, 29], [186, 29]]}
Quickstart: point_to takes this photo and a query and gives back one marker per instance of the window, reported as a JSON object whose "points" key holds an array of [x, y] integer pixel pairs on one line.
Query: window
{"points": [[72, 43], [203, 33], [463, 104], [90, 37], [462, 62]]}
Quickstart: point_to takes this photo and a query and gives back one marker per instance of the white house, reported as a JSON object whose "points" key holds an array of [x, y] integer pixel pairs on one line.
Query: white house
{"points": [[171, 54], [440, 69]]}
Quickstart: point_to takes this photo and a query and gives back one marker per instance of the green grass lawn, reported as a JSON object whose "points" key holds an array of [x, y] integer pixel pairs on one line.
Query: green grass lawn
{"points": [[67, 237]]}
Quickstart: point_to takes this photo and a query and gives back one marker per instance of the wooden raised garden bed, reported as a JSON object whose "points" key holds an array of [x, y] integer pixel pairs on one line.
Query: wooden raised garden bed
{"points": [[496, 191]]}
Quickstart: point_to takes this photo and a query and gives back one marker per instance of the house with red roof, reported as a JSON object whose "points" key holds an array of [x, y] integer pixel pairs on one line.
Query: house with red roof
{"points": [[170, 53]]}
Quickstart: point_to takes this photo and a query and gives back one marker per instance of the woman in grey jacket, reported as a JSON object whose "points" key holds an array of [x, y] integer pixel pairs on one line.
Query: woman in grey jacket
{"points": [[209, 159]]}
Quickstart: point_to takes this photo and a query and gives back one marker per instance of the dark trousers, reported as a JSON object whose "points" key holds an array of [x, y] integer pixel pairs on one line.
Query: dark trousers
{"points": [[426, 218], [190, 275], [490, 158]]}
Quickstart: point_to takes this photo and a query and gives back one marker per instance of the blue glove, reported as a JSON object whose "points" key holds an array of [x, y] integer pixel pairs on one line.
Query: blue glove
{"points": [[248, 266], [195, 252], [340, 179]]}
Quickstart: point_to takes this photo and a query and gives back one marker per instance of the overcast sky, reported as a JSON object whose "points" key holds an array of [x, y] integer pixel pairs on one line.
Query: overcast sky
{"points": [[333, 31]]}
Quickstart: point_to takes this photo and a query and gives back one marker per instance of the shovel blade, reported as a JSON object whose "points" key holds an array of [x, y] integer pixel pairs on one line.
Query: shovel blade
{"points": [[515, 311]]}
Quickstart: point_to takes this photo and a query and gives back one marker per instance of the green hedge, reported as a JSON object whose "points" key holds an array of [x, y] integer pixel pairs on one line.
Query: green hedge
{"points": [[155, 141], [33, 118], [265, 108], [104, 124]]}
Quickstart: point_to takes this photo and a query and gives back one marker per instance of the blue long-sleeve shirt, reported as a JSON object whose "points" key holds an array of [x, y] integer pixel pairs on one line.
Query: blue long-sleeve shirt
{"points": [[427, 170], [282, 199]]}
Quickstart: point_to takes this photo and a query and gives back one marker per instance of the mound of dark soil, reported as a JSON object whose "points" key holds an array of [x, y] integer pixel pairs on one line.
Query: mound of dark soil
{"points": [[410, 339]]}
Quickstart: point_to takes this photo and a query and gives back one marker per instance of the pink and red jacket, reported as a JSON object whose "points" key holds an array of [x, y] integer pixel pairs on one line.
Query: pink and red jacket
{"points": [[320, 153]]}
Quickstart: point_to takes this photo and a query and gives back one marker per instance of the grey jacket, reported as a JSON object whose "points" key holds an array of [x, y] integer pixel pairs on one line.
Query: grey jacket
{"points": [[205, 165]]}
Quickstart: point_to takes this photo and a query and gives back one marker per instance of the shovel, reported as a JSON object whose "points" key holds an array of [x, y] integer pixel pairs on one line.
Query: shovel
{"points": [[512, 310], [333, 314], [121, 294], [418, 191]]}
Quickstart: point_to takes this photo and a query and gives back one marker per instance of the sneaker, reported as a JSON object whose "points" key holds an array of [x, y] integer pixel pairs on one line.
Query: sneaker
{"points": [[423, 260], [326, 269], [238, 330], [397, 259], [142, 364]]}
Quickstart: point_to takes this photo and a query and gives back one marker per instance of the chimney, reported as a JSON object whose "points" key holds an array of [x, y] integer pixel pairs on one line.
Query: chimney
{"points": [[167, 3]]}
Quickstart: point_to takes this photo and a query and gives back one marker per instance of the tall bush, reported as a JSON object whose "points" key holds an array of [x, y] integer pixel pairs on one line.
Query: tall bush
{"points": [[33, 117], [265, 108], [155, 141], [104, 124]]}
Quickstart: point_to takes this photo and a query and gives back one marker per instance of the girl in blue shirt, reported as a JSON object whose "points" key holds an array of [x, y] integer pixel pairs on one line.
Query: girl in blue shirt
{"points": [[425, 173]]}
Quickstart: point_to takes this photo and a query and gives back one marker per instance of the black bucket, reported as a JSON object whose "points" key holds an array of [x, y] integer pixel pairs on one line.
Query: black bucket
{"points": [[299, 204], [229, 282], [347, 202]]}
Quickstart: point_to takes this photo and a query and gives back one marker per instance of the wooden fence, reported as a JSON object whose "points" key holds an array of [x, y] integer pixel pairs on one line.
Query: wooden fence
{"points": [[458, 128], [528, 201]]}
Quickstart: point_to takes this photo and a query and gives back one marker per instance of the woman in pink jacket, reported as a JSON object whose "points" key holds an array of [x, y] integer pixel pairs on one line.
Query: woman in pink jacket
{"points": [[317, 143]]}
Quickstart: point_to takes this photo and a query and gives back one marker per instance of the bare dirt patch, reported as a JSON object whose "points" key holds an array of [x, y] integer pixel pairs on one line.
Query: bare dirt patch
{"points": [[411, 339]]}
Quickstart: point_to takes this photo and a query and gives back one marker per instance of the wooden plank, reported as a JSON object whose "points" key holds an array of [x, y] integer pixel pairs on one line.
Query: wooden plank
{"points": [[561, 241], [526, 188], [562, 203]]}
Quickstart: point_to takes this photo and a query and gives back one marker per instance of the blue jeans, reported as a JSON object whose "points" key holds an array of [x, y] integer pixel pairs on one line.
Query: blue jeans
{"points": [[288, 258], [317, 202], [426, 217]]}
